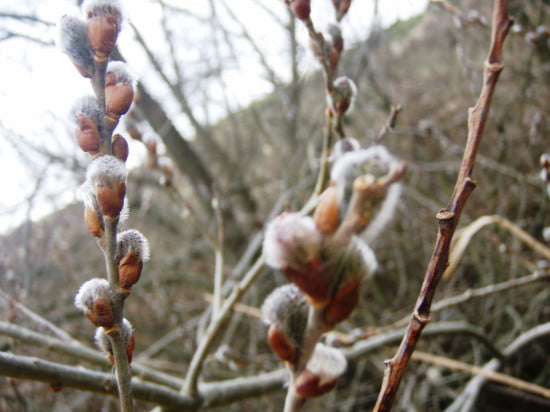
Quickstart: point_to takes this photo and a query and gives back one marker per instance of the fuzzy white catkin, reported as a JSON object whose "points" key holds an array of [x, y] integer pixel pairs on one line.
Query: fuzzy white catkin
{"points": [[73, 41], [367, 255], [102, 7], [86, 193], [384, 214], [90, 291], [375, 160], [351, 162], [106, 170], [344, 88], [87, 105], [291, 240], [135, 241], [347, 144], [327, 363], [122, 72], [280, 301]]}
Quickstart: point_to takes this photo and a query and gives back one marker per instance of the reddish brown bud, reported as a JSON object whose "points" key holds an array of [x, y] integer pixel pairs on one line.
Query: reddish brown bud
{"points": [[87, 134], [129, 270], [118, 98], [102, 34], [280, 345], [322, 371], [133, 250], [93, 221], [120, 147], [110, 199], [334, 58], [308, 385], [311, 279], [301, 8], [343, 303], [286, 311], [336, 45], [342, 7], [343, 95], [101, 313], [327, 214], [130, 348]]}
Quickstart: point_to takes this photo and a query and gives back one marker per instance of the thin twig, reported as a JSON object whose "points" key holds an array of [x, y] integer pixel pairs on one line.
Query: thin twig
{"points": [[448, 218], [476, 370], [390, 122], [238, 307], [218, 251], [464, 235], [191, 379], [476, 293], [35, 317]]}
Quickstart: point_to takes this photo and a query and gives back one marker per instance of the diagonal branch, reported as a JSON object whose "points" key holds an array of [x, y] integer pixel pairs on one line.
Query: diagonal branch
{"points": [[448, 218]]}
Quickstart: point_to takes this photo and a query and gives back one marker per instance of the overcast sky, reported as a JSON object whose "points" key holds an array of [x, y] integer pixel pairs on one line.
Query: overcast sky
{"points": [[38, 84]]}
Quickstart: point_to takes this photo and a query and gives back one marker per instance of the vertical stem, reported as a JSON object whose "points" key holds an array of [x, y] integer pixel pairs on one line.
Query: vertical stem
{"points": [[314, 330], [218, 282], [110, 251], [218, 250], [293, 402], [98, 84], [190, 386], [448, 218], [323, 175], [122, 369]]}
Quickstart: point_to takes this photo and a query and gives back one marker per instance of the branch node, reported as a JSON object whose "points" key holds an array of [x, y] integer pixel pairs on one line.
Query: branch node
{"points": [[421, 318], [444, 215], [494, 66]]}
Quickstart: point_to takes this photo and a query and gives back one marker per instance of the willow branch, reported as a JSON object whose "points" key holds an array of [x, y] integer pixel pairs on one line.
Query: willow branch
{"points": [[30, 368], [81, 352], [191, 379], [448, 218], [487, 374], [390, 122], [219, 258], [35, 317], [109, 246], [212, 393]]}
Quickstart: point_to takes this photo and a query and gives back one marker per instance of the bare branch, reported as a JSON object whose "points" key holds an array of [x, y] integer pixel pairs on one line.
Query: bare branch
{"points": [[448, 218]]}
